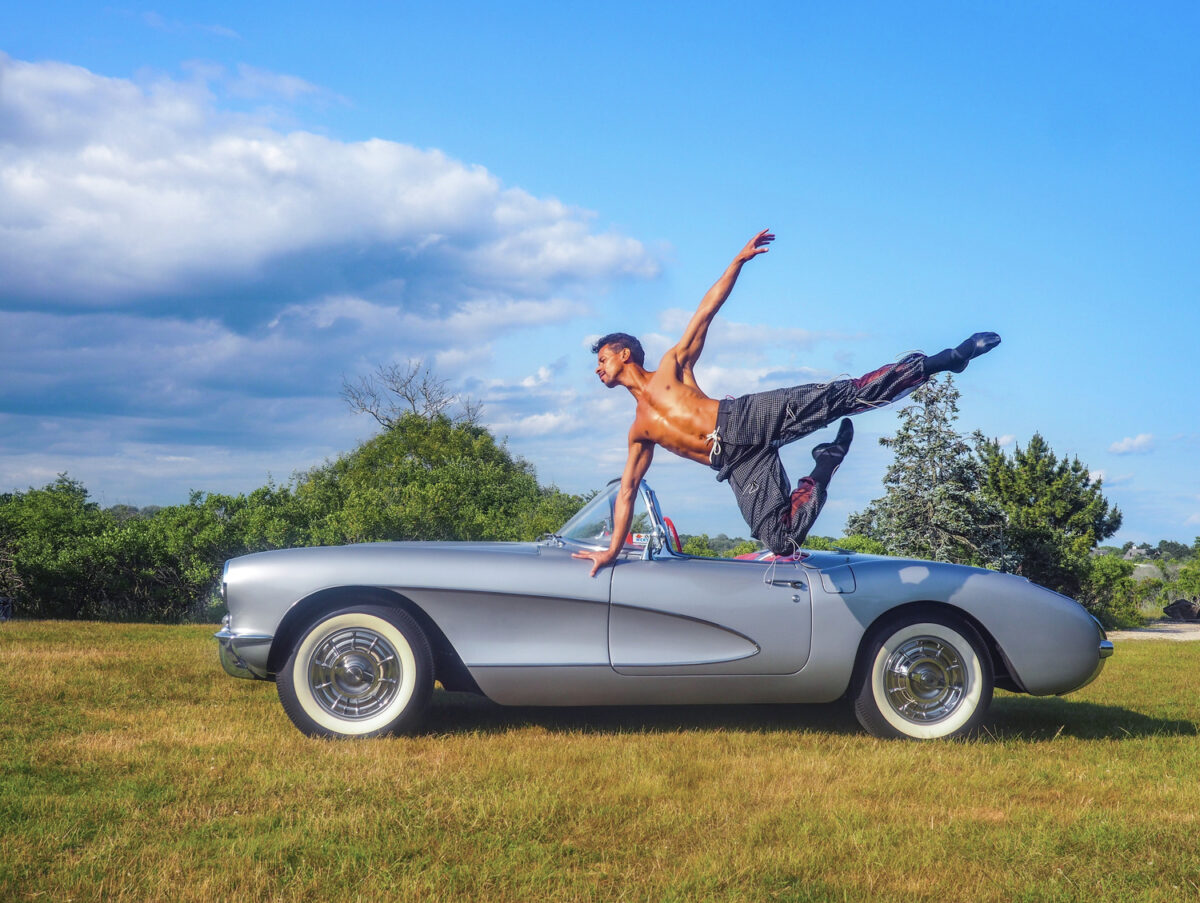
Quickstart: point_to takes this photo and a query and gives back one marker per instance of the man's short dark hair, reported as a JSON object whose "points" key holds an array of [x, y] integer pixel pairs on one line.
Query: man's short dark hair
{"points": [[620, 340]]}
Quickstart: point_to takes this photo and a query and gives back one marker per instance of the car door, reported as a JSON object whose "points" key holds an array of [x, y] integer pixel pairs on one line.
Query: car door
{"points": [[681, 615]]}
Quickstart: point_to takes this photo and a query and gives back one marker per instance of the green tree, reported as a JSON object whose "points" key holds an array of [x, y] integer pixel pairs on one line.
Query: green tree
{"points": [[424, 478], [1187, 581], [856, 543], [1108, 590], [1169, 549], [719, 546], [698, 546], [745, 547], [429, 478], [1056, 513], [45, 535], [933, 507]]}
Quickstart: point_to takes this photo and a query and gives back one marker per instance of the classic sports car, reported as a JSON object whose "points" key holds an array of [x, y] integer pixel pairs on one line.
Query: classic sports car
{"points": [[355, 636]]}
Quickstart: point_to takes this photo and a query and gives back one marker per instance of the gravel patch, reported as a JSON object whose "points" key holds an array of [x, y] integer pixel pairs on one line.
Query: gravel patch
{"points": [[1182, 631]]}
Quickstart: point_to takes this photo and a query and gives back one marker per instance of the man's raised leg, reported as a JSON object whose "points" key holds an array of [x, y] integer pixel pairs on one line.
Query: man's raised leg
{"points": [[894, 381]]}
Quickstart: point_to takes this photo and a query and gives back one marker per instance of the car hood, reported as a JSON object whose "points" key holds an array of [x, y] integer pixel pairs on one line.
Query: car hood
{"points": [[370, 549]]}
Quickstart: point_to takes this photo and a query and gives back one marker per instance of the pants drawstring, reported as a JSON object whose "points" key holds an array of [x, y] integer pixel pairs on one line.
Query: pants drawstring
{"points": [[715, 451]]}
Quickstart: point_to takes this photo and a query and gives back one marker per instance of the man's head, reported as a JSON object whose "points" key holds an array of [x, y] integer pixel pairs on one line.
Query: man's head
{"points": [[612, 352]]}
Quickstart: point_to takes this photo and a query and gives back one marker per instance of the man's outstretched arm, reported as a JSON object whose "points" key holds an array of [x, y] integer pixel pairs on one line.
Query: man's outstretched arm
{"points": [[692, 342], [636, 465]]}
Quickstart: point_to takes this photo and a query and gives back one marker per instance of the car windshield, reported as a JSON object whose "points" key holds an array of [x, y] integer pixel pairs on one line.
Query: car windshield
{"points": [[592, 527], [593, 524]]}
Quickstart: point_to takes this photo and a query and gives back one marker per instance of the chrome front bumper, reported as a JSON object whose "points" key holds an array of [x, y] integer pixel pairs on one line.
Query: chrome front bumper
{"points": [[234, 649]]}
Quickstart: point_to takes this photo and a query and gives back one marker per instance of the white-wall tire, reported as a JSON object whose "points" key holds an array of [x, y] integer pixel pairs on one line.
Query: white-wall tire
{"points": [[924, 677], [363, 671]]}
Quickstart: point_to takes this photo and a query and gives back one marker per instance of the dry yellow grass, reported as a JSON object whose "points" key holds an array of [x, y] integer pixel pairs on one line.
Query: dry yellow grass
{"points": [[132, 768]]}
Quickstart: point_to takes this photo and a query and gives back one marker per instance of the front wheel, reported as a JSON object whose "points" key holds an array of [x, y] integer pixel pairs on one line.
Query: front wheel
{"points": [[358, 672], [924, 677]]}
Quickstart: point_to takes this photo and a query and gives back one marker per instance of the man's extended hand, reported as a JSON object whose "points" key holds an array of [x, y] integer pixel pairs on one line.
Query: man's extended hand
{"points": [[755, 246], [599, 559]]}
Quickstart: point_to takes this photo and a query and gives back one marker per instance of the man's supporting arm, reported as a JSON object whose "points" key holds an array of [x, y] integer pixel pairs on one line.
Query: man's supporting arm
{"points": [[691, 343], [636, 465]]}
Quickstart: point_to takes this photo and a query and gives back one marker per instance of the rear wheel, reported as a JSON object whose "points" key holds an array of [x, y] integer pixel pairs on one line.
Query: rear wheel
{"points": [[362, 671], [924, 676]]}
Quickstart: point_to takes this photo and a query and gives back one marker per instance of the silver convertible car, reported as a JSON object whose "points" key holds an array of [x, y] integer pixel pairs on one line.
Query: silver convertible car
{"points": [[355, 636]]}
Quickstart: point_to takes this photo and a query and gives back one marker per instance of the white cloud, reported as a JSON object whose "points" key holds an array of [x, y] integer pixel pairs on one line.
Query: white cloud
{"points": [[113, 191], [1006, 440], [731, 335], [1134, 445], [252, 82], [544, 375], [184, 287], [538, 424]]}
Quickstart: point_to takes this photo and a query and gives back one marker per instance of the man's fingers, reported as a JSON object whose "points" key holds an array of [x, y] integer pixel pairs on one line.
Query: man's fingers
{"points": [[595, 564]]}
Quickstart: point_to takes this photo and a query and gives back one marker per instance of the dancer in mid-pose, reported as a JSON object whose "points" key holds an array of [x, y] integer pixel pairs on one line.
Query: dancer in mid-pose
{"points": [[740, 438]]}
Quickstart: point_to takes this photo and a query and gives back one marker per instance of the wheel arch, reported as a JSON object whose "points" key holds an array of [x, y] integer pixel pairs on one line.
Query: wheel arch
{"points": [[448, 667], [1004, 675]]}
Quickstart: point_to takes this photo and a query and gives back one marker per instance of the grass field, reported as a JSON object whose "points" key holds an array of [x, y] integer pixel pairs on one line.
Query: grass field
{"points": [[132, 768]]}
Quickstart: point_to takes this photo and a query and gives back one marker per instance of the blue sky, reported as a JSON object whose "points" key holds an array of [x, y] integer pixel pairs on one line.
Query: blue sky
{"points": [[213, 213]]}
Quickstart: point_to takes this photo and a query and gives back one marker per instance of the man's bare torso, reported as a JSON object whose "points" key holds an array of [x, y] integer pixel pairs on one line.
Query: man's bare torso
{"points": [[673, 412]]}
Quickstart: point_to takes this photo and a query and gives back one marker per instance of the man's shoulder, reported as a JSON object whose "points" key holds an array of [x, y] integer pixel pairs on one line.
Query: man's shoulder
{"points": [[670, 358], [669, 367]]}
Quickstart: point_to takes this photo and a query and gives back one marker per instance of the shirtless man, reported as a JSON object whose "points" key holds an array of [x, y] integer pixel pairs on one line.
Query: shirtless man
{"points": [[739, 438]]}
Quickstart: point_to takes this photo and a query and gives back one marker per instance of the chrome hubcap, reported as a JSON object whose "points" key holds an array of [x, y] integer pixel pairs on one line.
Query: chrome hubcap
{"points": [[924, 679], [354, 673]]}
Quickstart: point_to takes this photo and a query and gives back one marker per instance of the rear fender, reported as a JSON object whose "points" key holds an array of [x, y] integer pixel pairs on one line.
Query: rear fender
{"points": [[1001, 668]]}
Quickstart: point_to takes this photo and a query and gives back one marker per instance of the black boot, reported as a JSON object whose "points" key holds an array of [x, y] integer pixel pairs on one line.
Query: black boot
{"points": [[829, 455], [956, 359]]}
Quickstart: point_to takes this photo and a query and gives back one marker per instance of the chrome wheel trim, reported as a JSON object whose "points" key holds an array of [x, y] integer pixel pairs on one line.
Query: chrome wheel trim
{"points": [[924, 679], [354, 673], [388, 709], [965, 704]]}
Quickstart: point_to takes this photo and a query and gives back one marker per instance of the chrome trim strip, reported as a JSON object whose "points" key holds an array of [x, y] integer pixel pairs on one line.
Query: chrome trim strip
{"points": [[539, 665], [243, 639], [1106, 648]]}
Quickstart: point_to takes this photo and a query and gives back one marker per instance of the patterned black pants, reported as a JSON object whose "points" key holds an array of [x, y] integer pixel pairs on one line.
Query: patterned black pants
{"points": [[751, 429]]}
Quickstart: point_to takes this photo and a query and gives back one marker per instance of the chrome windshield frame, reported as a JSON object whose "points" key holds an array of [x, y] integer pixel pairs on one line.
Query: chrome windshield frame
{"points": [[656, 545]]}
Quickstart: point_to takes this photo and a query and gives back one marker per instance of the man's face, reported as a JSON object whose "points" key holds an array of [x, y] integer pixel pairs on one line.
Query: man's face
{"points": [[610, 362]]}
